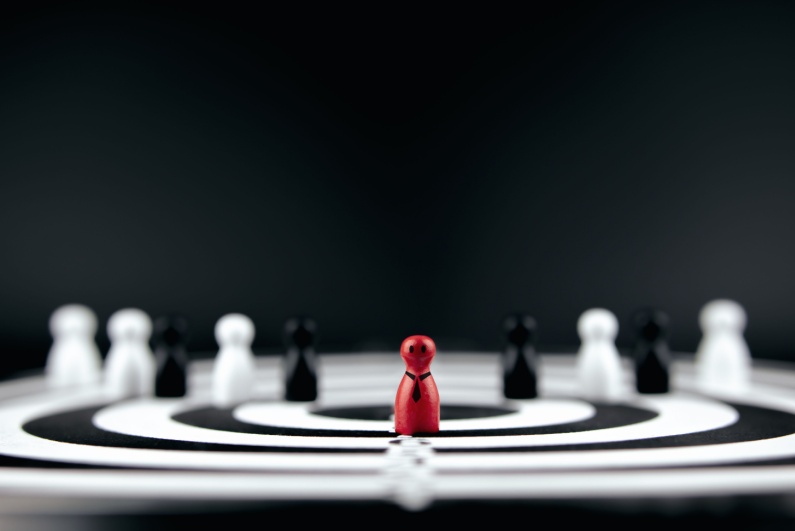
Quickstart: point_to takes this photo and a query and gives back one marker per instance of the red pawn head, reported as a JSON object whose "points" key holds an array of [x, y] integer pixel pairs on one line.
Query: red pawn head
{"points": [[418, 352], [417, 401]]}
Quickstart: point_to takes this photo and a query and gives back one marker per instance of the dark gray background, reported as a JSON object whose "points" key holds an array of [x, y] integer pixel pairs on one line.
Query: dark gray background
{"points": [[398, 170]]}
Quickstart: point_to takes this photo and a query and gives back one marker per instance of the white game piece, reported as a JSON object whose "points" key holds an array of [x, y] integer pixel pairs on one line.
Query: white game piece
{"points": [[130, 365], [599, 367], [409, 472], [234, 367], [723, 359], [74, 358]]}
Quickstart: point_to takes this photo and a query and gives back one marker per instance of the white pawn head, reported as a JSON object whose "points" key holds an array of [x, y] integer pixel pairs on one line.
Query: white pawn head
{"points": [[129, 324], [597, 324], [73, 320], [722, 315], [234, 329]]}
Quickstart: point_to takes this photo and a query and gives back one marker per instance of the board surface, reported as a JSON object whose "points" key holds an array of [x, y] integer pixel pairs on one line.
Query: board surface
{"points": [[680, 454]]}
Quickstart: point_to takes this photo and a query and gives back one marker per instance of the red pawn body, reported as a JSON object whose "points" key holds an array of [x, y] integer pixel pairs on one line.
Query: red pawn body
{"points": [[417, 400]]}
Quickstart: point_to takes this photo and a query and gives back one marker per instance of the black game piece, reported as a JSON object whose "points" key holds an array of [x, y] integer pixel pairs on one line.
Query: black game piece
{"points": [[652, 355], [519, 357], [170, 336], [300, 371]]}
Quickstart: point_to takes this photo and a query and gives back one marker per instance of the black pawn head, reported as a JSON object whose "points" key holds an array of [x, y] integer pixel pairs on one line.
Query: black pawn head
{"points": [[519, 329], [170, 330], [300, 332], [651, 324]]}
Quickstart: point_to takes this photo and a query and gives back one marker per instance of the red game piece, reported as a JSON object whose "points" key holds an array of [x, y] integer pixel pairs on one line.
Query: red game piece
{"points": [[417, 400]]}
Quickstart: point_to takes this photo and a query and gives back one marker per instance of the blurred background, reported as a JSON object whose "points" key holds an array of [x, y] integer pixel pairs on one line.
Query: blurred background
{"points": [[394, 170]]}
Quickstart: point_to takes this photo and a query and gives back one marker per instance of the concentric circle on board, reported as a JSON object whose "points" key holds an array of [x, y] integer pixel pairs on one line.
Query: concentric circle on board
{"points": [[555, 432]]}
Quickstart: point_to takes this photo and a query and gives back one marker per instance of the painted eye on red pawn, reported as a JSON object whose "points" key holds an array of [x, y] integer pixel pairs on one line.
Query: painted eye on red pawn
{"points": [[423, 349], [411, 349]]}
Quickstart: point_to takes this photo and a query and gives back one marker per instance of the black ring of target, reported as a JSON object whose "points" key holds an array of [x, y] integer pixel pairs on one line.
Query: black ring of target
{"points": [[76, 427]]}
